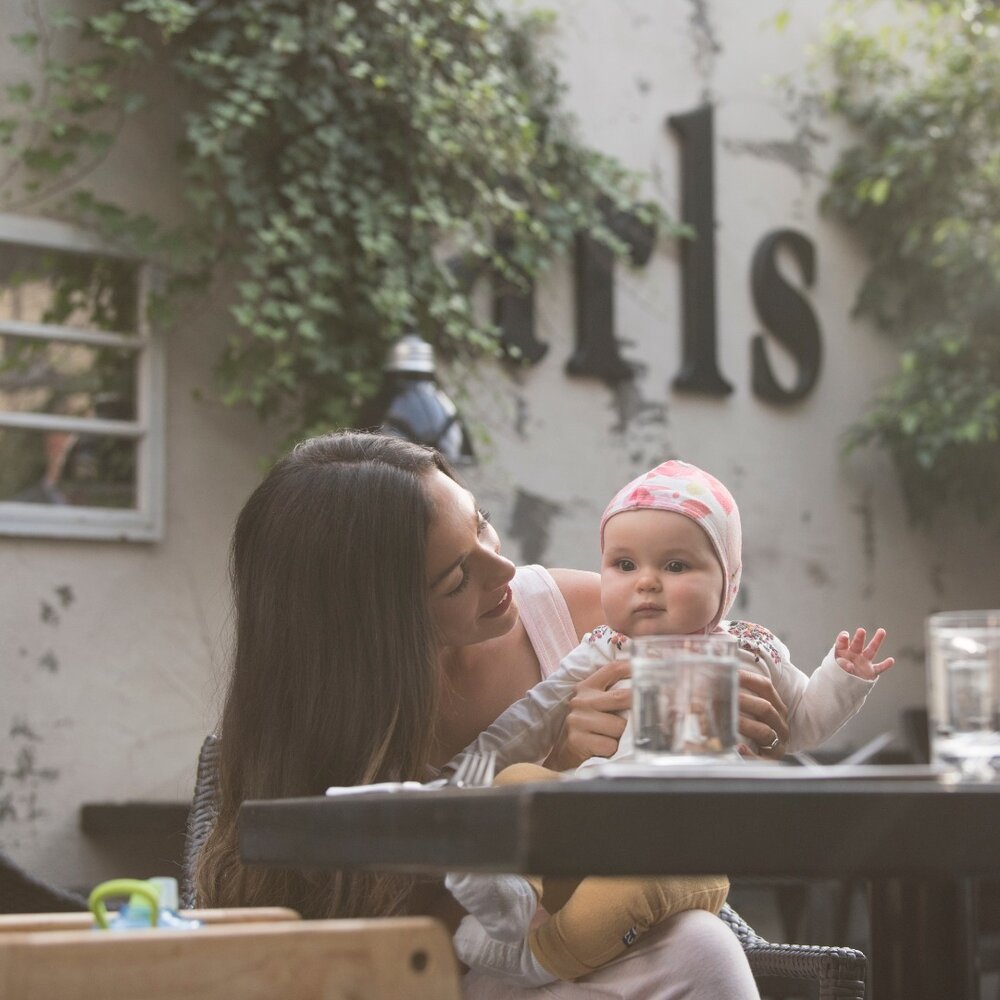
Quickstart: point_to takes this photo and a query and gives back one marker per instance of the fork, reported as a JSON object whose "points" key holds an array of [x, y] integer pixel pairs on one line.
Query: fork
{"points": [[475, 770]]}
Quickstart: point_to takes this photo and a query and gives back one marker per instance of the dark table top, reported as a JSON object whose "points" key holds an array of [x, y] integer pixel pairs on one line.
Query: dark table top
{"points": [[807, 826]]}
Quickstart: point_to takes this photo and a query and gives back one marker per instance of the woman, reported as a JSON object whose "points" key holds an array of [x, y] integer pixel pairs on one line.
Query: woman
{"points": [[371, 597]]}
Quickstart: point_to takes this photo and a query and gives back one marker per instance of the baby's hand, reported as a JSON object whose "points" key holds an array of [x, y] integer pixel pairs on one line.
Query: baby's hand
{"points": [[856, 658]]}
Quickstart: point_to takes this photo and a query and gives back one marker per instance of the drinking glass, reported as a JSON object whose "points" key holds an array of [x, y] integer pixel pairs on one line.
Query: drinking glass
{"points": [[963, 674], [685, 698]]}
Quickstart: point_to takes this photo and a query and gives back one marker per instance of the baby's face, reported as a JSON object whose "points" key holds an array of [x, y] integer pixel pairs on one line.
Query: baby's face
{"points": [[659, 574]]}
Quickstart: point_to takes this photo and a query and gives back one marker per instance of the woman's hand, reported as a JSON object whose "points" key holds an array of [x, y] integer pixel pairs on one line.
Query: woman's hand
{"points": [[595, 723], [763, 717]]}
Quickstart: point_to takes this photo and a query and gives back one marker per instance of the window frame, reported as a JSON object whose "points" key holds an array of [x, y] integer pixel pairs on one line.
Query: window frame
{"points": [[145, 521]]}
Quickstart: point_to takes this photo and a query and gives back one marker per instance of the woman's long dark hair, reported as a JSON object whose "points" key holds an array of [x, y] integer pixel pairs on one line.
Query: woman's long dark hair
{"points": [[335, 673]]}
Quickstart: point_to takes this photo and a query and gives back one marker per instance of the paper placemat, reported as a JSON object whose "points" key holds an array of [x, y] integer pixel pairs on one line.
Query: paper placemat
{"points": [[764, 771]]}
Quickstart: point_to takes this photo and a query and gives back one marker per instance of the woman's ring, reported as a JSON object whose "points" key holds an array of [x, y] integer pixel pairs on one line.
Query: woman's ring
{"points": [[773, 745]]}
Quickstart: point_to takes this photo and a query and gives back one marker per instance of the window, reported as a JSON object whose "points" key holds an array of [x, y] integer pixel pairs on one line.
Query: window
{"points": [[81, 388]]}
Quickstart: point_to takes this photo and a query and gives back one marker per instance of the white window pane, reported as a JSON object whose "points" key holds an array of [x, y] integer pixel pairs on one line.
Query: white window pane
{"points": [[81, 387], [80, 291], [64, 469], [67, 379]]}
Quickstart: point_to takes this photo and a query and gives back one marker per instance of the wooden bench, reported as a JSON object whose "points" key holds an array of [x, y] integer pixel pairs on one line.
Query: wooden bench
{"points": [[265, 954]]}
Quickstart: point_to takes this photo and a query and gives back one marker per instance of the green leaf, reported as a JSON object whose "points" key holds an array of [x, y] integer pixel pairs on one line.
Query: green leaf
{"points": [[325, 171], [878, 192], [915, 189], [26, 42], [20, 93]]}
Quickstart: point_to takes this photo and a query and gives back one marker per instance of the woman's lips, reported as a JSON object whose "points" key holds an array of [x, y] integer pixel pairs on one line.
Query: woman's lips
{"points": [[502, 606]]}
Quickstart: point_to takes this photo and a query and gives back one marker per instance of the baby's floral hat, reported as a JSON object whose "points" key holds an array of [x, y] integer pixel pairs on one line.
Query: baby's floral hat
{"points": [[685, 489]]}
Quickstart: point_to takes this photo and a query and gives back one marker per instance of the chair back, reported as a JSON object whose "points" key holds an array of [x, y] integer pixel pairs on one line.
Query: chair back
{"points": [[201, 818]]}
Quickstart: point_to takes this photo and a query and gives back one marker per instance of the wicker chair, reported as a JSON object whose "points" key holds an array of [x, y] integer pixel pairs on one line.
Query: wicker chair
{"points": [[837, 973], [201, 818]]}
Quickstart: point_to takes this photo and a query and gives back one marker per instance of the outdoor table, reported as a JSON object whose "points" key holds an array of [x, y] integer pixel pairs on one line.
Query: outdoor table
{"points": [[916, 841]]}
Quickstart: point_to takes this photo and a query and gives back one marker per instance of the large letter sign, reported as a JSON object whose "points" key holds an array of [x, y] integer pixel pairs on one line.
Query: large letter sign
{"points": [[699, 371], [781, 307], [786, 314]]}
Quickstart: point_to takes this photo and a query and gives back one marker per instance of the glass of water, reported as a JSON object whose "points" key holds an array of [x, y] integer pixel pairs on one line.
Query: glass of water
{"points": [[685, 698], [963, 674]]}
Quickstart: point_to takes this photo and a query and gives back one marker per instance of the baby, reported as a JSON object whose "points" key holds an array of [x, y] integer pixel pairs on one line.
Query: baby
{"points": [[670, 565]]}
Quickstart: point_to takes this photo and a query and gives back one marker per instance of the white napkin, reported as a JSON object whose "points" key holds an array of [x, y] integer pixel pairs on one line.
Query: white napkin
{"points": [[383, 786]]}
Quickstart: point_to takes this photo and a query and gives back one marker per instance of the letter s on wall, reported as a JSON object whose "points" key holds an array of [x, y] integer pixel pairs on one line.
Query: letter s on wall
{"points": [[786, 314]]}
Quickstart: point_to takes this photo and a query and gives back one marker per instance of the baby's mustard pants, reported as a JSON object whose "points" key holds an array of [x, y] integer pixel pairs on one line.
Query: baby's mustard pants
{"points": [[594, 919]]}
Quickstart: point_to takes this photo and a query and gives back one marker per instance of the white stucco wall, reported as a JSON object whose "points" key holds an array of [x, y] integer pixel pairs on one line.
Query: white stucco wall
{"points": [[108, 686], [827, 542], [110, 699]]}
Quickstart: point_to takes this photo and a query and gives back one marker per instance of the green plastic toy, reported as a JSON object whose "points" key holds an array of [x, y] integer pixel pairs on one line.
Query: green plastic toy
{"points": [[142, 909]]}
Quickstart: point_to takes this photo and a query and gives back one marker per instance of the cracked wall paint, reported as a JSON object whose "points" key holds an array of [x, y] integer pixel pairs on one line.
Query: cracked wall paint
{"points": [[24, 778], [49, 616], [118, 654], [817, 573], [799, 152], [530, 524], [793, 153], [640, 425], [866, 513], [707, 47], [28, 777], [520, 415]]}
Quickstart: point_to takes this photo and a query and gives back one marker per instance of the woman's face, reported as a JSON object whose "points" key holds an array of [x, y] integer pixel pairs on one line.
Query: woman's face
{"points": [[468, 581]]}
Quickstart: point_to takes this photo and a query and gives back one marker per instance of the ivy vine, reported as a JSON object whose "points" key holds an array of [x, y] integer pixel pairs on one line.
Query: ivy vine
{"points": [[356, 163], [921, 189]]}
